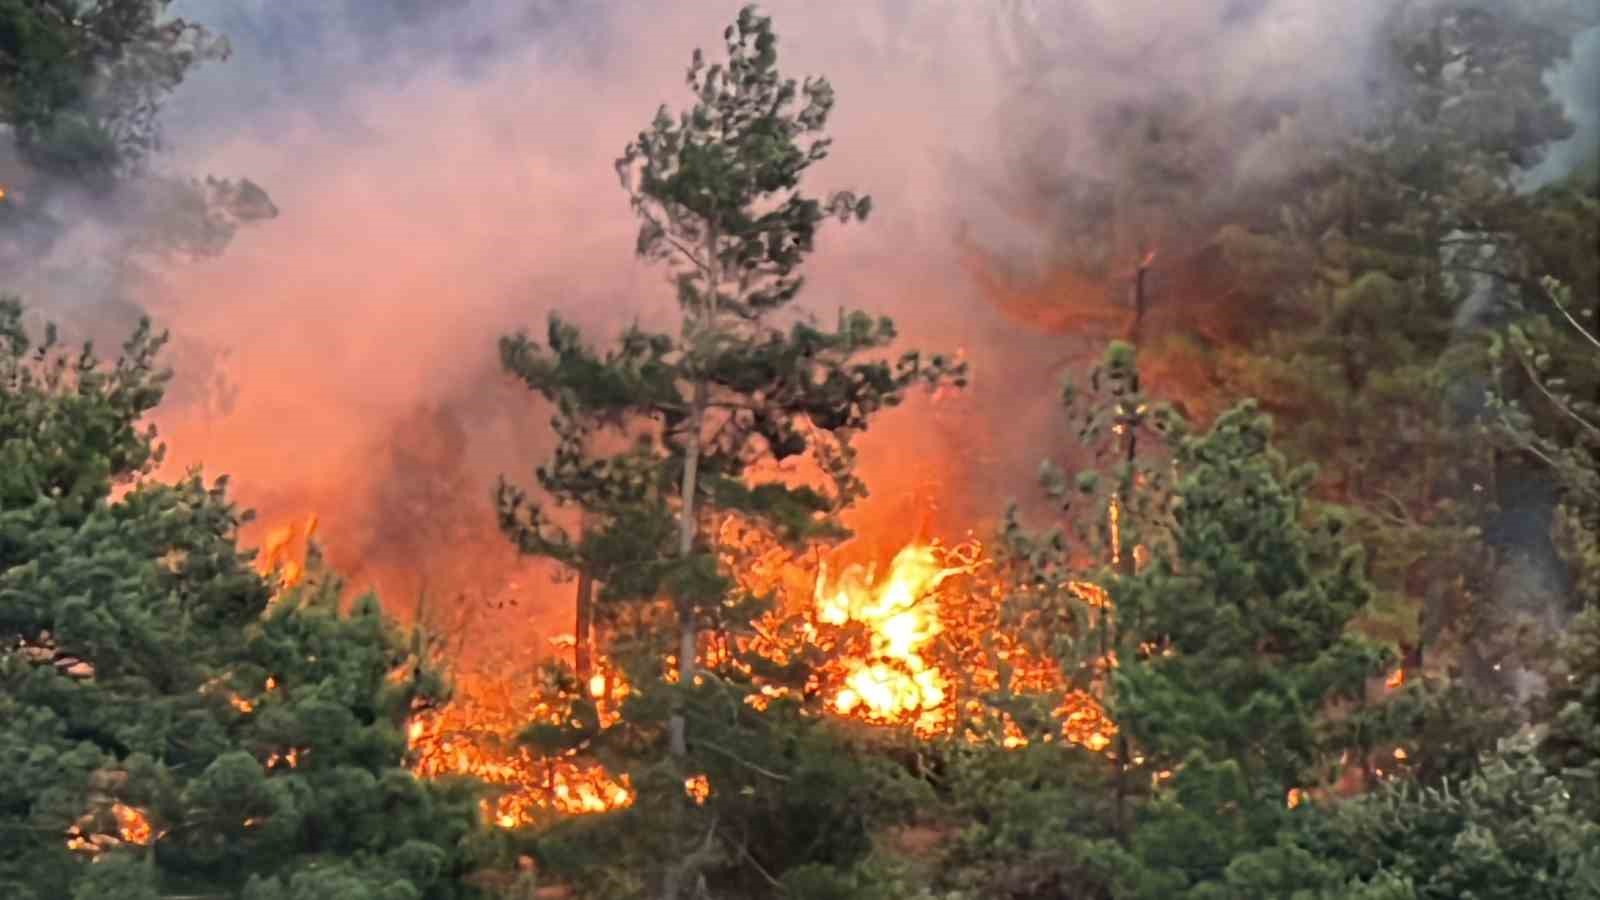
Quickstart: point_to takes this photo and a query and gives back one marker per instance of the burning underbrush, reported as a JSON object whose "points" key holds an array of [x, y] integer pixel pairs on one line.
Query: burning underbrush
{"points": [[476, 734], [910, 642]]}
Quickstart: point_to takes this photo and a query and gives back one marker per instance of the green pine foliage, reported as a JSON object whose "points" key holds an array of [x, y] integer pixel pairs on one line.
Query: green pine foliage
{"points": [[1509, 830], [145, 665], [1229, 612], [1546, 407], [1571, 742], [82, 84]]}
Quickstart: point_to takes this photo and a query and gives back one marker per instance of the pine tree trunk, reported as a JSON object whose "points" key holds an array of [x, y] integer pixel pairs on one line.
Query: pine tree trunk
{"points": [[1126, 566], [686, 534], [583, 629]]}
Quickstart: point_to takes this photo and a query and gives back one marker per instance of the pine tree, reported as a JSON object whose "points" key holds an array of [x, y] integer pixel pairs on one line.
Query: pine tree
{"points": [[1251, 608], [664, 436], [161, 713], [1220, 623], [83, 85], [82, 88]]}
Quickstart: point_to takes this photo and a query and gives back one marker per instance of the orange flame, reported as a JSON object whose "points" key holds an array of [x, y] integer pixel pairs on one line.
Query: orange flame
{"points": [[475, 734], [698, 787], [282, 545], [132, 825], [894, 683], [915, 648], [936, 645]]}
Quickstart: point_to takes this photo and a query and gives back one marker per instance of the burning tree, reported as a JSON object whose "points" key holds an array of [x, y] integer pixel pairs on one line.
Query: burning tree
{"points": [[662, 432]]}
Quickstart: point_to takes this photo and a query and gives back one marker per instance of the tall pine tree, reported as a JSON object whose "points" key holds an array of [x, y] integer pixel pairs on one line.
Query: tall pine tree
{"points": [[663, 436]]}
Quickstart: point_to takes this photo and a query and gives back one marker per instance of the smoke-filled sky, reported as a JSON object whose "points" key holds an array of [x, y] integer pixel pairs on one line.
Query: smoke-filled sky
{"points": [[443, 172]]}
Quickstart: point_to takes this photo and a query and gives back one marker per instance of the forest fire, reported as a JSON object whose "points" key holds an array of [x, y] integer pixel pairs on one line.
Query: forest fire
{"points": [[132, 824], [460, 740], [935, 649], [915, 647], [92, 834], [915, 643], [476, 734]]}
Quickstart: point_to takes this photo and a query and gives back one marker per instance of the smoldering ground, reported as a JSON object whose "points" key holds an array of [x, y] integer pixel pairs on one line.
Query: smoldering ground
{"points": [[443, 174]]}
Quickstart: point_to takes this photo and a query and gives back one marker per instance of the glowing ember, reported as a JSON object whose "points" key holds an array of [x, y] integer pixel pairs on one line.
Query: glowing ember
{"points": [[456, 741], [1083, 722], [289, 758], [1395, 679]]}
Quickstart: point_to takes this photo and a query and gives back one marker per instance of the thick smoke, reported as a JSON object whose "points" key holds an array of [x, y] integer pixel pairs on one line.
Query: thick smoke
{"points": [[443, 175]]}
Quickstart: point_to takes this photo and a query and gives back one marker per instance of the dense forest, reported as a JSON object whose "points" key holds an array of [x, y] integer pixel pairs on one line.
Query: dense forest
{"points": [[1303, 602]]}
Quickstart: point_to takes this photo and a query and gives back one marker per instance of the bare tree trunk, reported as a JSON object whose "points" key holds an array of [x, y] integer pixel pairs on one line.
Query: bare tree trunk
{"points": [[1135, 330], [686, 535], [582, 655], [1125, 555]]}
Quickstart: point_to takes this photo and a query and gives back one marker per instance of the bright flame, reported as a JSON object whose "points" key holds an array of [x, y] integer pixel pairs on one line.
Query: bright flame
{"points": [[914, 648], [698, 787], [290, 758], [475, 734], [894, 682], [280, 548], [132, 825], [935, 645]]}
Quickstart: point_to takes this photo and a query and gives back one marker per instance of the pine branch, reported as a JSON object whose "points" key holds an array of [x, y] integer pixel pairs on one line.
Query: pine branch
{"points": [[700, 742]]}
